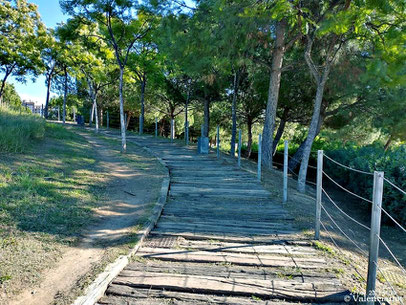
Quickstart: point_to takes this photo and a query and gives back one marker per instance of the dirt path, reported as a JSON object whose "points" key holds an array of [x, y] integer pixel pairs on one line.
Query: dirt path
{"points": [[132, 191]]}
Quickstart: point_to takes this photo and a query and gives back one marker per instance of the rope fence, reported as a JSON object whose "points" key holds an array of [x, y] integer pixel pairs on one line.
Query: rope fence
{"points": [[375, 240]]}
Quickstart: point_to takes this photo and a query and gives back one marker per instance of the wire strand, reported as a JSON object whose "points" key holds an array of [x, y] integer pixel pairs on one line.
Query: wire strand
{"points": [[390, 285], [354, 220], [391, 253], [393, 219], [338, 248], [347, 167], [395, 186], [343, 188], [341, 230]]}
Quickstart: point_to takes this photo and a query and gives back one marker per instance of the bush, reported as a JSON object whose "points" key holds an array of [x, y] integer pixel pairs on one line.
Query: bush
{"points": [[18, 131], [370, 158]]}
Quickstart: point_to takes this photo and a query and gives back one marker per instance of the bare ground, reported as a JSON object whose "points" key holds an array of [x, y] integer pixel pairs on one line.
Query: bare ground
{"points": [[132, 186]]}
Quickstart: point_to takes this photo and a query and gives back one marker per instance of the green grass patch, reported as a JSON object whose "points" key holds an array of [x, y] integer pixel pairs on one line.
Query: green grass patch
{"points": [[19, 130], [48, 193]]}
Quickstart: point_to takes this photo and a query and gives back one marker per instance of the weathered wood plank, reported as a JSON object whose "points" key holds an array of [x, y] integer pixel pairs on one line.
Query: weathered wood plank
{"points": [[131, 294], [232, 271], [231, 258], [269, 239], [287, 290]]}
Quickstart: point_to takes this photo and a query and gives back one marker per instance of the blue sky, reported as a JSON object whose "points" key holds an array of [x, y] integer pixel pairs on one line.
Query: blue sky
{"points": [[51, 15]]}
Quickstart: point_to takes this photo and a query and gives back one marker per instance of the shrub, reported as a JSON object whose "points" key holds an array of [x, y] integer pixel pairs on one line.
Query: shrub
{"points": [[18, 131], [370, 158]]}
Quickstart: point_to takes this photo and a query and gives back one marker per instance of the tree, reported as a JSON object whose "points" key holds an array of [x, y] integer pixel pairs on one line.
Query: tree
{"points": [[22, 36], [122, 24], [11, 97]]}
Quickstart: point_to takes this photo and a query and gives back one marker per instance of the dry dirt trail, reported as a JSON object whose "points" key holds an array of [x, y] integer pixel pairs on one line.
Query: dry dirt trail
{"points": [[221, 239], [117, 219]]}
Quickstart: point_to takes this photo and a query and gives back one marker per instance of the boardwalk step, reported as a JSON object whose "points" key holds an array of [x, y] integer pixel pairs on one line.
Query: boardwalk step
{"points": [[231, 271], [232, 258], [126, 295], [267, 289]]}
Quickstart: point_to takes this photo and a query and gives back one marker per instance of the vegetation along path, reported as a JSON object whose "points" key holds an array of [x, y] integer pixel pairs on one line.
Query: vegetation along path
{"points": [[221, 239]]}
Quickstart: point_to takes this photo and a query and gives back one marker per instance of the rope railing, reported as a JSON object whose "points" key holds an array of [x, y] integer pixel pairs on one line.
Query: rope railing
{"points": [[388, 282], [377, 208], [344, 189], [348, 216], [342, 231], [347, 167]]}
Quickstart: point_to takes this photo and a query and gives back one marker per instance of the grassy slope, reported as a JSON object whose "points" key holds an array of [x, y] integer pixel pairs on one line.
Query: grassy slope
{"points": [[47, 195]]}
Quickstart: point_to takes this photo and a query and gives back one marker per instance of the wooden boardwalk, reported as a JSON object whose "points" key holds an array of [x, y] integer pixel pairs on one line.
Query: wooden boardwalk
{"points": [[221, 240]]}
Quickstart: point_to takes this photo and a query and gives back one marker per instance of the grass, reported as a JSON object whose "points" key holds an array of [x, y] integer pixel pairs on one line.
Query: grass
{"points": [[19, 130], [48, 195]]}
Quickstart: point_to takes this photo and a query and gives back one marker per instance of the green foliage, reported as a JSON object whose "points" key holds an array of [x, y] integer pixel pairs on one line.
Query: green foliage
{"points": [[10, 97], [18, 131], [370, 158]]}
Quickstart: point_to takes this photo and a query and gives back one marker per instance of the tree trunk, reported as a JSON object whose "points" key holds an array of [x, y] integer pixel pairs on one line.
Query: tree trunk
{"points": [[249, 143], [206, 117], [234, 114], [65, 96], [96, 113], [91, 113], [314, 124], [273, 93], [128, 120], [101, 117], [278, 135], [387, 144], [122, 123], [297, 157], [143, 84], [3, 85], [49, 82]]}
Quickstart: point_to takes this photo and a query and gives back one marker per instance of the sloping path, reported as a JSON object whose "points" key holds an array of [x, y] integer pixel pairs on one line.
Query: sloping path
{"points": [[221, 240]]}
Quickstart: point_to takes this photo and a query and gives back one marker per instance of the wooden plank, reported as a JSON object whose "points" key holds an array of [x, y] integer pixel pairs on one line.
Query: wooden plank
{"points": [[246, 248], [136, 295], [269, 239], [231, 271], [228, 221], [185, 227], [224, 214], [231, 258], [287, 290], [221, 189]]}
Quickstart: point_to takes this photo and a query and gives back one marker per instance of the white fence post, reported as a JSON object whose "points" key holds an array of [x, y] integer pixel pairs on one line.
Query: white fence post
{"points": [[285, 171], [374, 236], [259, 156], [319, 193], [172, 130], [156, 127], [239, 148], [218, 142]]}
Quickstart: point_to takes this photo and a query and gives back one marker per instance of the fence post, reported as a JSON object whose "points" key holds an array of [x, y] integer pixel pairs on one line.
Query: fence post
{"points": [[239, 148], [107, 119], [156, 127], [172, 130], [187, 133], [259, 156], [125, 120], [140, 126], [319, 193], [374, 236], [218, 142], [285, 171]]}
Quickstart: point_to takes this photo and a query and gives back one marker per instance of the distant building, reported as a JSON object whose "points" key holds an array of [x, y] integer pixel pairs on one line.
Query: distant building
{"points": [[33, 108], [29, 105]]}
